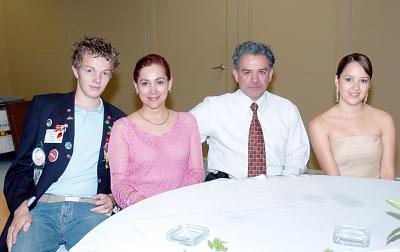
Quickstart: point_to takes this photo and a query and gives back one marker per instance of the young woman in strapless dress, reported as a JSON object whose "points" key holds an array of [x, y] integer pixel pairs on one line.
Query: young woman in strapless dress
{"points": [[353, 138]]}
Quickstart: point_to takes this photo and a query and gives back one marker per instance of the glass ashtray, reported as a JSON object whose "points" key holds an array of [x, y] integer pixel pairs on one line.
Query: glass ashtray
{"points": [[188, 234], [351, 236]]}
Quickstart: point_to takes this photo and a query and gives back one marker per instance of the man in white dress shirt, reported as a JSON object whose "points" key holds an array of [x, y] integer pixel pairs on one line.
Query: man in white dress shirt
{"points": [[224, 120]]}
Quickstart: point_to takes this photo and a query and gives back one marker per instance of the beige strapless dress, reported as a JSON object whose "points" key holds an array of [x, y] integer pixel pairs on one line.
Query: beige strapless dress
{"points": [[358, 155]]}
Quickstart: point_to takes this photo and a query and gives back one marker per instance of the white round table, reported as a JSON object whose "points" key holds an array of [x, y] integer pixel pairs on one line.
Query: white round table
{"points": [[257, 214]]}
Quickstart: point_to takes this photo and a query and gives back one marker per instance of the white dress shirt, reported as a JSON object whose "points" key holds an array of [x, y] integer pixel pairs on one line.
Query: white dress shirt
{"points": [[224, 121]]}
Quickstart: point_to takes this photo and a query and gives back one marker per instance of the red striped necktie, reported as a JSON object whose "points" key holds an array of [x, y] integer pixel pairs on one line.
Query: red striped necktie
{"points": [[256, 146]]}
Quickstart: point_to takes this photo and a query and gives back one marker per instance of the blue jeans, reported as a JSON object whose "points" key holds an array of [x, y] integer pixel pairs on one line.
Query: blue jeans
{"points": [[54, 224]]}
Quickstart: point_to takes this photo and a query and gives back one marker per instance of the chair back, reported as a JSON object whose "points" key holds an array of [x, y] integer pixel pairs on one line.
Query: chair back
{"points": [[16, 111]]}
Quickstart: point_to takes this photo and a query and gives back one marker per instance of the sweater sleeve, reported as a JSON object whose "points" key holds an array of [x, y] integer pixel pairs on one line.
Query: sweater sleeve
{"points": [[121, 185], [195, 169]]}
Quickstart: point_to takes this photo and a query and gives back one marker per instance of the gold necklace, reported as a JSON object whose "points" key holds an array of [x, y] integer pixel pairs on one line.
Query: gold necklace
{"points": [[156, 124]]}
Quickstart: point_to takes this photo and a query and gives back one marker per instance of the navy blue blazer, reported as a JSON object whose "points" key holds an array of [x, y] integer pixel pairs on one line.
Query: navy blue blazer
{"points": [[60, 109]]}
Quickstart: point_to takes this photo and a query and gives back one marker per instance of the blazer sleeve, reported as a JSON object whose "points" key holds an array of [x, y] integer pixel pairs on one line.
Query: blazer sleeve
{"points": [[18, 183]]}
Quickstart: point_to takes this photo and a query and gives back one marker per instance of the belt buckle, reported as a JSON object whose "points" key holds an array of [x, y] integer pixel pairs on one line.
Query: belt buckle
{"points": [[74, 199]]}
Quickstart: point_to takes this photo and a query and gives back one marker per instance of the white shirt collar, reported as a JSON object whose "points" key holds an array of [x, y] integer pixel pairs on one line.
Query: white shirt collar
{"points": [[246, 100]]}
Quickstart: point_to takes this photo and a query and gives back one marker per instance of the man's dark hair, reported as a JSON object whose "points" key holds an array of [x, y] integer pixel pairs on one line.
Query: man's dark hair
{"points": [[252, 48]]}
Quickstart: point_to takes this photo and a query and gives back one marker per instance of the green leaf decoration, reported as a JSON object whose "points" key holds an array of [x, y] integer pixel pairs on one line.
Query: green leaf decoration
{"points": [[217, 244], [328, 250], [210, 244], [393, 202], [394, 235]]}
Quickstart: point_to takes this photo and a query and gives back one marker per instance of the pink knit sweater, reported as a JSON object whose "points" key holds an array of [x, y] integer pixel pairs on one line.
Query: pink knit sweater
{"points": [[143, 165]]}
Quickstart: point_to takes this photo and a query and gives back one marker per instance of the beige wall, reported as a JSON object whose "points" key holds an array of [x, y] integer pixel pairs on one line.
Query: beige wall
{"points": [[308, 37], [193, 43], [40, 35], [37, 45], [5, 88]]}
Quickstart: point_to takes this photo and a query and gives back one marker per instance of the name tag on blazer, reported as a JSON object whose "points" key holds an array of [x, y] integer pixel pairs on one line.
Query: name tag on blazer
{"points": [[53, 136]]}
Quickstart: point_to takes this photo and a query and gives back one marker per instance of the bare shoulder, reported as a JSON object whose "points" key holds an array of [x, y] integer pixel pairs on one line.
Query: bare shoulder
{"points": [[380, 115], [323, 120]]}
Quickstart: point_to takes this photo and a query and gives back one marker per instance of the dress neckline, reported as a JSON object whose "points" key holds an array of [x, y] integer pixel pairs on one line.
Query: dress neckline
{"points": [[136, 126], [355, 136]]}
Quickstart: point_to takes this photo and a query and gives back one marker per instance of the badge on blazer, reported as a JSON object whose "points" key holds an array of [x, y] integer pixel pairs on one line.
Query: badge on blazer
{"points": [[38, 156], [68, 145], [49, 122], [37, 173], [53, 155], [55, 135]]}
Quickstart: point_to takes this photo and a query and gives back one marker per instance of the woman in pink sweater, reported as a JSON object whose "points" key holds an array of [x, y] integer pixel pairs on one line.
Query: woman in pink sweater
{"points": [[155, 149]]}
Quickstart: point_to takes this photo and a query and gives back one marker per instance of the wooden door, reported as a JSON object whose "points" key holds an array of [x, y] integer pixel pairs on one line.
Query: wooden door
{"points": [[194, 36]]}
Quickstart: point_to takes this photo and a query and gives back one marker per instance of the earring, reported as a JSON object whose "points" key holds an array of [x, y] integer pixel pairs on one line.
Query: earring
{"points": [[337, 95], [365, 99]]}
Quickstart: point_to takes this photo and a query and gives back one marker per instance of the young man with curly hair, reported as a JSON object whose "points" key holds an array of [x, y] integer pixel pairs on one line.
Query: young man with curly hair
{"points": [[58, 187]]}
